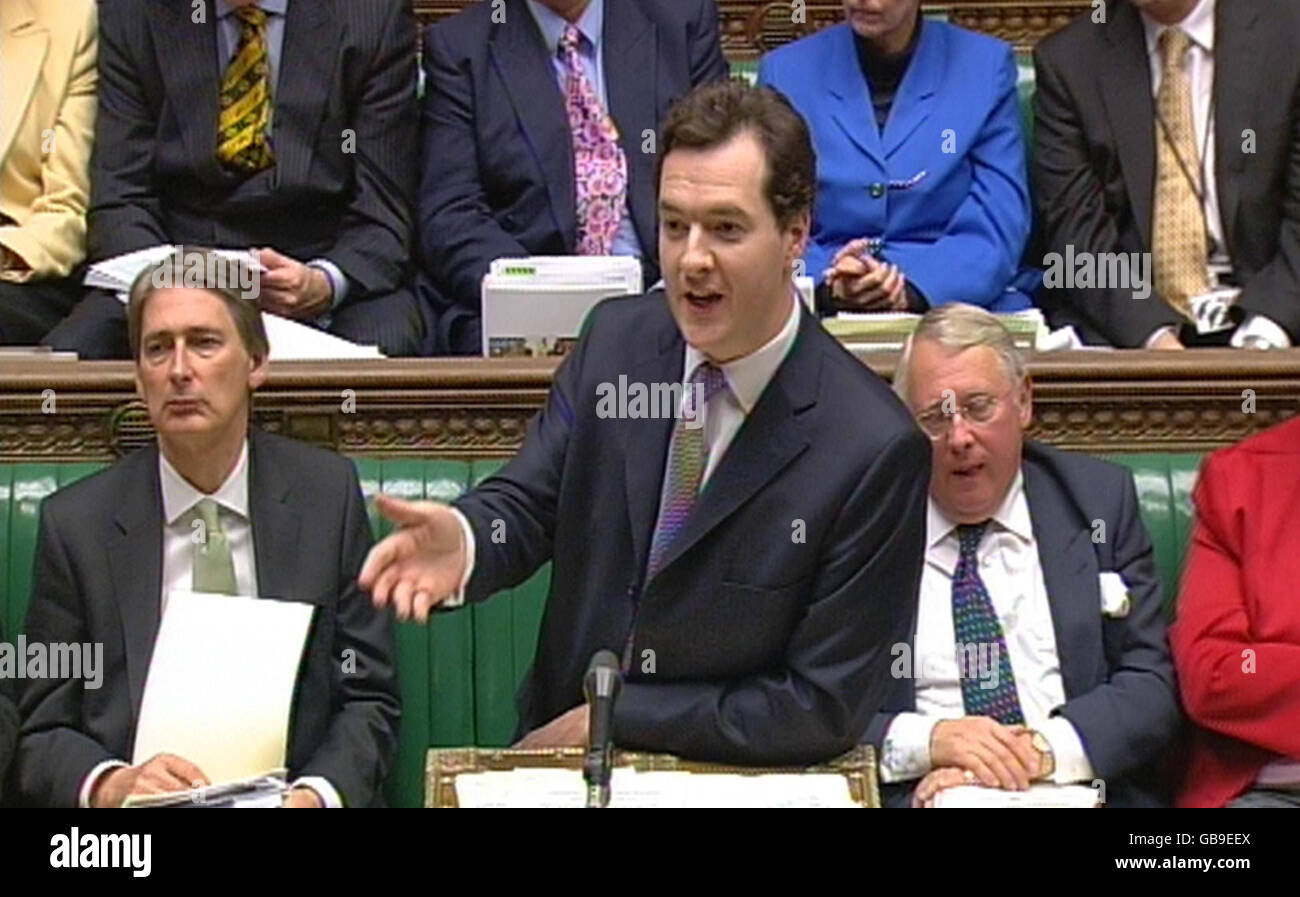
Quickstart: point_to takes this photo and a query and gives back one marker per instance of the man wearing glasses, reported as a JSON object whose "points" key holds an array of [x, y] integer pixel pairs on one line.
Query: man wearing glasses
{"points": [[1039, 652]]}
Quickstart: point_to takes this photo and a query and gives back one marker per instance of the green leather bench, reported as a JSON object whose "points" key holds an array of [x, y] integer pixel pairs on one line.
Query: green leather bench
{"points": [[458, 675]]}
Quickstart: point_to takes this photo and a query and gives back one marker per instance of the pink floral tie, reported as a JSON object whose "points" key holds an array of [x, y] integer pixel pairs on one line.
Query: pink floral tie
{"points": [[599, 166]]}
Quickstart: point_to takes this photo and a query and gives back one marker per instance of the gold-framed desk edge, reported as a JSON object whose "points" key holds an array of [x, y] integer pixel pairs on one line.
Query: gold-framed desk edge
{"points": [[442, 765], [1097, 402]]}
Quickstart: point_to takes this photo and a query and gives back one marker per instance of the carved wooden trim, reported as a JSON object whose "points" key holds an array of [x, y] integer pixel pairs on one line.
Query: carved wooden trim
{"points": [[748, 28], [1085, 401]]}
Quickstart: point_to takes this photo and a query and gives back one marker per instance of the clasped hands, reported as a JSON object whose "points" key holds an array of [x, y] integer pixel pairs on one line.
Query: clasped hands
{"points": [[980, 750], [860, 282]]}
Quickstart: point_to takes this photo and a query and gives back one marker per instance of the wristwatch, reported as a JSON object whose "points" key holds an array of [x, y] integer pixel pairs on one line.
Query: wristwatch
{"points": [[1047, 763]]}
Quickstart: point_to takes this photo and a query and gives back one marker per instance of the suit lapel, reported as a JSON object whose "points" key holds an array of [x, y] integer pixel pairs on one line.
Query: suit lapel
{"points": [[916, 94], [275, 522], [26, 44], [135, 562], [1069, 571], [521, 61], [187, 53], [1235, 84], [771, 437], [852, 98], [645, 442], [1126, 91], [630, 54], [308, 57]]}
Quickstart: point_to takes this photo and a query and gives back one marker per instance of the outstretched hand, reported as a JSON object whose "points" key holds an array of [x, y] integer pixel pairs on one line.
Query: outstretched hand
{"points": [[420, 565]]}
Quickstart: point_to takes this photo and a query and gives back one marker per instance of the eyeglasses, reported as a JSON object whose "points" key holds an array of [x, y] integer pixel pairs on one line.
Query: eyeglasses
{"points": [[936, 420]]}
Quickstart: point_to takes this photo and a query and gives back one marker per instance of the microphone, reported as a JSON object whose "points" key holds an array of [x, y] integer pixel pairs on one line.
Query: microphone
{"points": [[600, 686]]}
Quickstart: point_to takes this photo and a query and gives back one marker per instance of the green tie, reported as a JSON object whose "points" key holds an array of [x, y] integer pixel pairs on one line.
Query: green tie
{"points": [[214, 568]]}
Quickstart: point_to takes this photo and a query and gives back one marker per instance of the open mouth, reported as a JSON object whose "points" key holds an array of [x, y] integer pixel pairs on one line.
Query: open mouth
{"points": [[701, 300]]}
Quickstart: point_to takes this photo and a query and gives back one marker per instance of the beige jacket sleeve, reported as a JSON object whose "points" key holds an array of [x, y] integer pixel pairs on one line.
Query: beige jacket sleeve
{"points": [[45, 173]]}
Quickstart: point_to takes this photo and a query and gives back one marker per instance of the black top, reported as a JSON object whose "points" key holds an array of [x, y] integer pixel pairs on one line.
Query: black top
{"points": [[885, 72]]}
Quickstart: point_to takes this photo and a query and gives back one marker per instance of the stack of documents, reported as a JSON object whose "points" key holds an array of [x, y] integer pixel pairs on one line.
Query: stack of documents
{"points": [[535, 307], [219, 690], [1036, 797], [289, 340], [886, 331], [558, 788]]}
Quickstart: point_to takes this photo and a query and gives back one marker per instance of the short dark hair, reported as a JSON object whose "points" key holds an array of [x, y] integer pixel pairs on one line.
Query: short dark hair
{"points": [[194, 267], [712, 114]]}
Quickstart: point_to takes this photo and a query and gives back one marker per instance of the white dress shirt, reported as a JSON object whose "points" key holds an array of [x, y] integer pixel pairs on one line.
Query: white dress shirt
{"points": [[1013, 575], [722, 415], [179, 497], [1199, 65]]}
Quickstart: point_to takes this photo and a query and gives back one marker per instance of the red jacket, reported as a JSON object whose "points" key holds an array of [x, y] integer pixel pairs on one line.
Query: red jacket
{"points": [[1236, 641]]}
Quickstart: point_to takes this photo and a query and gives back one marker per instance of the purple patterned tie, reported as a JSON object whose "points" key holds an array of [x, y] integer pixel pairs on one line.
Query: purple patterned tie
{"points": [[599, 166], [976, 624], [686, 462]]}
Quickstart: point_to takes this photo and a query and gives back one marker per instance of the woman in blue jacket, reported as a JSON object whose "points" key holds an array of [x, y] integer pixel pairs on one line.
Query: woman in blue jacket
{"points": [[922, 195]]}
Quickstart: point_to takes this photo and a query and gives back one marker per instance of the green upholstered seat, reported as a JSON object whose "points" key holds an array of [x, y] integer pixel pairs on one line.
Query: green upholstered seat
{"points": [[458, 676]]}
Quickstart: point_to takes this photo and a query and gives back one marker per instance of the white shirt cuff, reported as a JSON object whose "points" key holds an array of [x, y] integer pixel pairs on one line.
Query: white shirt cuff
{"points": [[328, 795], [1071, 761], [88, 784], [1262, 328], [338, 283], [458, 599], [1159, 332], [905, 750]]}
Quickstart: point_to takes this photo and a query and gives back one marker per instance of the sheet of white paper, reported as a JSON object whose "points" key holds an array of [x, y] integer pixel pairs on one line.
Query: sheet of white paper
{"points": [[629, 789], [294, 341], [118, 273], [1037, 797], [220, 683], [289, 340]]}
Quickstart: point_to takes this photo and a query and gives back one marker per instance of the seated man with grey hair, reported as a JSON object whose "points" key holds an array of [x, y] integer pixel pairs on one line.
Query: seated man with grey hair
{"points": [[282, 521], [1039, 651]]}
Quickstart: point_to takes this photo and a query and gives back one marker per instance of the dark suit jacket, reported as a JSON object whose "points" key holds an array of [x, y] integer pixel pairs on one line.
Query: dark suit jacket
{"points": [[97, 578], [347, 65], [765, 637], [1094, 157], [1119, 679], [497, 177]]}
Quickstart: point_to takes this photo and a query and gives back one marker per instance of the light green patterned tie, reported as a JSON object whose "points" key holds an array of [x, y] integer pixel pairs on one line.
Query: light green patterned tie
{"points": [[214, 568]]}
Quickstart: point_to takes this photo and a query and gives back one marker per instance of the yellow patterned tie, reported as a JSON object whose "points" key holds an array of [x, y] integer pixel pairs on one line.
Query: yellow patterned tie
{"points": [[242, 141], [1180, 246]]}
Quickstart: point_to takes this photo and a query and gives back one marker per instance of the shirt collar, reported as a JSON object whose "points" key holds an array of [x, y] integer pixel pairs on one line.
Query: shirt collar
{"points": [[1012, 516], [590, 23], [270, 7], [749, 375], [179, 496], [1199, 26]]}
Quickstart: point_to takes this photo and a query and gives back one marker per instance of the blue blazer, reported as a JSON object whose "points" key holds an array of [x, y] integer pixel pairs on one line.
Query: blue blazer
{"points": [[944, 186], [1120, 693]]}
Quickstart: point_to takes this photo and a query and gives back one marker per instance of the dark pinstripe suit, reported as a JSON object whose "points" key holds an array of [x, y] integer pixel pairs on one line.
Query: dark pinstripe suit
{"points": [[344, 136]]}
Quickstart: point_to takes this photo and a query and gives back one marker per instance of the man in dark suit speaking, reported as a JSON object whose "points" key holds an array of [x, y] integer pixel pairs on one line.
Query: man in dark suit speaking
{"points": [[283, 521], [752, 557], [287, 127]]}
